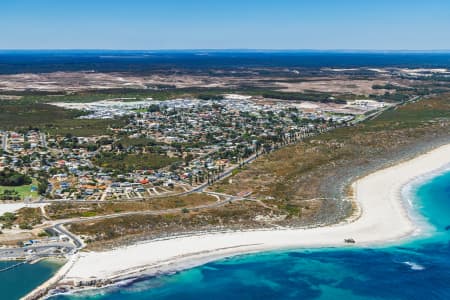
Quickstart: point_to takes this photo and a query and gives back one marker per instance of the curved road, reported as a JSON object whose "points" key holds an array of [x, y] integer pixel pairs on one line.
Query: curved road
{"points": [[58, 225]]}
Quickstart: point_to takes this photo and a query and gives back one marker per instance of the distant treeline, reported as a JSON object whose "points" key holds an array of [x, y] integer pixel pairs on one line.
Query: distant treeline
{"points": [[12, 178], [390, 86], [415, 90], [314, 97]]}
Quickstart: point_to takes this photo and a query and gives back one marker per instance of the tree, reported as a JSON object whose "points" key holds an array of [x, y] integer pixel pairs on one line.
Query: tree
{"points": [[188, 158], [91, 147], [10, 177], [42, 186]]}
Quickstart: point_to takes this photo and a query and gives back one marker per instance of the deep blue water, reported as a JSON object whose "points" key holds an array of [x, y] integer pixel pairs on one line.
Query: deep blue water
{"points": [[12, 62], [17, 282], [419, 269]]}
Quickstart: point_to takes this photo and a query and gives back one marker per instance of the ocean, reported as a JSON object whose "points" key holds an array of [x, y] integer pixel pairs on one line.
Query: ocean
{"points": [[417, 269], [147, 62], [17, 282]]}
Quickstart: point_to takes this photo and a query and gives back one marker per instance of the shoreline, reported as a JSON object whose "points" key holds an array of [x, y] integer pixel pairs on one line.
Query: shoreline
{"points": [[383, 219]]}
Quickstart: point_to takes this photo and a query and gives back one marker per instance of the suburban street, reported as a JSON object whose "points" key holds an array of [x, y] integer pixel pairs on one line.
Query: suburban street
{"points": [[58, 226], [5, 142]]}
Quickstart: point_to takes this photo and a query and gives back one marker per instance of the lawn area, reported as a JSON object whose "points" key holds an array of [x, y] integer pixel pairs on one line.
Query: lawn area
{"points": [[24, 191]]}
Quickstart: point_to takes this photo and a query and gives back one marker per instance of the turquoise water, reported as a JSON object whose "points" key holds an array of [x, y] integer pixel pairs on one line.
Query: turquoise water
{"points": [[415, 270], [433, 199], [17, 282]]}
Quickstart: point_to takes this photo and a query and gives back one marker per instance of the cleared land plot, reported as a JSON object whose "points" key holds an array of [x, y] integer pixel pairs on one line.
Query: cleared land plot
{"points": [[70, 210], [130, 162], [359, 87]]}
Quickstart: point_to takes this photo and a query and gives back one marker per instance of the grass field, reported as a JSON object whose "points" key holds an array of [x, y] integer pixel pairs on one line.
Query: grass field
{"points": [[24, 191]]}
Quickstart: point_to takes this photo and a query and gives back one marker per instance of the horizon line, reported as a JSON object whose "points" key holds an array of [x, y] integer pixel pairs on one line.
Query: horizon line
{"points": [[228, 50]]}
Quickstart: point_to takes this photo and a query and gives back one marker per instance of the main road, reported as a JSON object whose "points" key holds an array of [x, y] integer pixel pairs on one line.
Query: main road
{"points": [[59, 224], [5, 142]]}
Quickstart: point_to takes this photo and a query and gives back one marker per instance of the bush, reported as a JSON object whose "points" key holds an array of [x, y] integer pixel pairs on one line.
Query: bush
{"points": [[9, 195], [8, 217], [25, 226], [12, 178], [128, 162], [43, 233]]}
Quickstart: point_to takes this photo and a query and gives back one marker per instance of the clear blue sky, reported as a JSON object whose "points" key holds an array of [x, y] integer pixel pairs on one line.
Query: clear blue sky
{"points": [[225, 24]]}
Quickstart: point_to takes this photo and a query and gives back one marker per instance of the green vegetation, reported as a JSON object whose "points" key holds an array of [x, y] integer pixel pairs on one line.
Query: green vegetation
{"points": [[24, 115], [210, 97], [235, 172], [12, 178], [88, 214], [9, 195], [32, 110], [71, 210], [413, 115], [126, 162], [401, 93], [126, 142], [168, 92], [44, 233], [26, 218], [300, 174], [25, 226], [7, 219], [311, 96], [82, 127], [114, 231], [18, 192], [390, 86], [15, 186]]}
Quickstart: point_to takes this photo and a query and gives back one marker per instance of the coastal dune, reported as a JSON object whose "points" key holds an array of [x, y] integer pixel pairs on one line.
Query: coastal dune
{"points": [[382, 218]]}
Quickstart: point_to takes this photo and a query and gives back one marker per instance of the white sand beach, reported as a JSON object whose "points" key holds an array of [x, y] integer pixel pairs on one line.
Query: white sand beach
{"points": [[382, 219]]}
